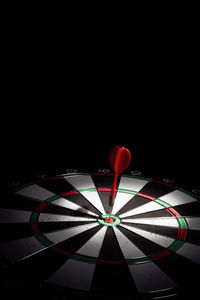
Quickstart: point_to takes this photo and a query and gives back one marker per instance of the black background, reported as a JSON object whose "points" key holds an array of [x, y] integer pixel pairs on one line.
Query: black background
{"points": [[79, 80], [163, 142]]}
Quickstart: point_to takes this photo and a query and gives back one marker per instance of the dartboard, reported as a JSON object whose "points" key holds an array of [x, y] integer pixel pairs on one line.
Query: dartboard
{"points": [[60, 236]]}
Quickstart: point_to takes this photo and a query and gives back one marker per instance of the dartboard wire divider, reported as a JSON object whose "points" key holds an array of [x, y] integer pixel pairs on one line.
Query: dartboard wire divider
{"points": [[60, 239]]}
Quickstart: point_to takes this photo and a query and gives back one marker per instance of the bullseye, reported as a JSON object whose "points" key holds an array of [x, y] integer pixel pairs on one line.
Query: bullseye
{"points": [[109, 220]]}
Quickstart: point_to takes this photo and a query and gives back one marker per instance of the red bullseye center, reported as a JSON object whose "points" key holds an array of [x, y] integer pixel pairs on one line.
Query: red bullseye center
{"points": [[109, 220]]}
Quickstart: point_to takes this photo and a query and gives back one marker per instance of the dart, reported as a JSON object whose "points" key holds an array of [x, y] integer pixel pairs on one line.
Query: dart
{"points": [[119, 161]]}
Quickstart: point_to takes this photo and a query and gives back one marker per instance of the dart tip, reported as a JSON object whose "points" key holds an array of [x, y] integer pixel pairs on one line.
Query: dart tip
{"points": [[111, 200]]}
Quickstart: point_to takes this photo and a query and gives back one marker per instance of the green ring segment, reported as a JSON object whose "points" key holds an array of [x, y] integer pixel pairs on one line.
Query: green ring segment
{"points": [[102, 221]]}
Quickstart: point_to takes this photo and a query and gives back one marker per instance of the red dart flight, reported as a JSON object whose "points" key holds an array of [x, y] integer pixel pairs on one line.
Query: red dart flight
{"points": [[119, 160]]}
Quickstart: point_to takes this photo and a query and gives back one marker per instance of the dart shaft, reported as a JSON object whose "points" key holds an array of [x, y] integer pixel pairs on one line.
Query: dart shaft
{"points": [[111, 201], [112, 194]]}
